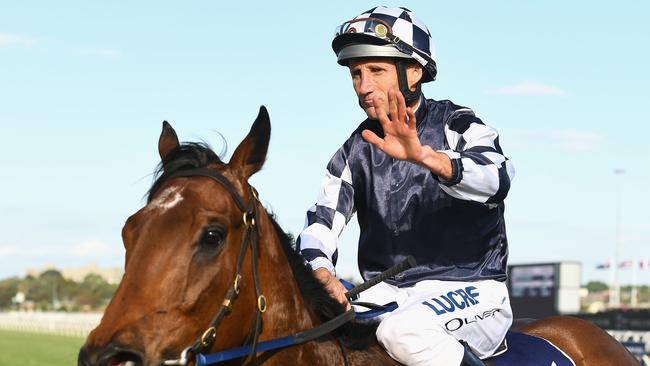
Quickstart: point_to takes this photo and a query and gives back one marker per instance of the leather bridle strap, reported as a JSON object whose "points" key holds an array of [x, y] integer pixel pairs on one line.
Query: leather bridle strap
{"points": [[213, 174], [250, 238]]}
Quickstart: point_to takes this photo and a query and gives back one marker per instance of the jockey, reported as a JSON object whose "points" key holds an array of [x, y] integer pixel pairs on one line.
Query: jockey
{"points": [[426, 178]]}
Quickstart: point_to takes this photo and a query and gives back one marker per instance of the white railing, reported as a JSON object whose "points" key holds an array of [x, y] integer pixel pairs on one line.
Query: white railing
{"points": [[67, 324]]}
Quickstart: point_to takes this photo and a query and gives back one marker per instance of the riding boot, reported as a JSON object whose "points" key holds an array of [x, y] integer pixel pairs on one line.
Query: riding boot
{"points": [[470, 359]]}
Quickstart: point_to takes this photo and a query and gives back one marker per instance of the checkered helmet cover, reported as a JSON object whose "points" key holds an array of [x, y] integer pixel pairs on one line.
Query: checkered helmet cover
{"points": [[405, 26]]}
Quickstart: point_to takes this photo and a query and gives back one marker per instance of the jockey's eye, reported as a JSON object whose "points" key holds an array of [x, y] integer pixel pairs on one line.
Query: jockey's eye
{"points": [[212, 236]]}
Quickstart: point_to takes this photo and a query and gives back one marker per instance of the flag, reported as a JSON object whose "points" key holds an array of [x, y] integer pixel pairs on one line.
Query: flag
{"points": [[602, 265], [644, 264], [626, 264]]}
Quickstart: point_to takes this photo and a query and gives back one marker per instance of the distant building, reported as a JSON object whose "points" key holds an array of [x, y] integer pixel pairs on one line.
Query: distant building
{"points": [[112, 275], [538, 290]]}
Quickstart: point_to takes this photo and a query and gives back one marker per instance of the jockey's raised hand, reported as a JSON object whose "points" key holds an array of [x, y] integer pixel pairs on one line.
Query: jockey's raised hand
{"points": [[400, 135]]}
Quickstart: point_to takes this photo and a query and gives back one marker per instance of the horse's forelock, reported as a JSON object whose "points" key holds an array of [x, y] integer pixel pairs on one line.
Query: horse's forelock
{"points": [[188, 155]]}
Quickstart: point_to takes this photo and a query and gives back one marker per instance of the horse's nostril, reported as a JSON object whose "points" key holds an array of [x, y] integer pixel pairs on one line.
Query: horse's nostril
{"points": [[120, 357], [82, 359], [125, 359]]}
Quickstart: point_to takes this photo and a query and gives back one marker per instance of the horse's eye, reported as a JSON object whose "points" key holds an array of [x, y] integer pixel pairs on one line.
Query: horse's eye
{"points": [[212, 237]]}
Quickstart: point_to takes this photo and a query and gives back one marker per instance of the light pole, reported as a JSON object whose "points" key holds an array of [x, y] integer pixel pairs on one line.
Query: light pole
{"points": [[615, 290]]}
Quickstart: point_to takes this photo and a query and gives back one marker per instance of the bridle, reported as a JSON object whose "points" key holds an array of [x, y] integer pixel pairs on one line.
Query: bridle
{"points": [[249, 239]]}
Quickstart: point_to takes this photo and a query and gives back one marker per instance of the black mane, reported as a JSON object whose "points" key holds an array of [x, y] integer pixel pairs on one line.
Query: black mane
{"points": [[188, 155], [192, 155], [353, 334]]}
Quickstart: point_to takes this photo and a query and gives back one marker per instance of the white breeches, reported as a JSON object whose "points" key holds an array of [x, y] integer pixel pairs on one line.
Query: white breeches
{"points": [[434, 315]]}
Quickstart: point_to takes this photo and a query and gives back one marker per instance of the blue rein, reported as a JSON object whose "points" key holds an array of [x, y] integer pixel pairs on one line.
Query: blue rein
{"points": [[298, 338], [309, 334], [238, 352]]}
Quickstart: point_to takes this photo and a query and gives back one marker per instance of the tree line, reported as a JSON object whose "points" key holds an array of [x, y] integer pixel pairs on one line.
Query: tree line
{"points": [[50, 291]]}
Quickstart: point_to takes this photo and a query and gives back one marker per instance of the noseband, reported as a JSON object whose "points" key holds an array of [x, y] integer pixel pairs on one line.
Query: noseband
{"points": [[250, 239]]}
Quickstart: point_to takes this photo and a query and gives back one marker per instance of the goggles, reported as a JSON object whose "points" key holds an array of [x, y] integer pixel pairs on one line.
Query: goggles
{"points": [[375, 26], [382, 30]]}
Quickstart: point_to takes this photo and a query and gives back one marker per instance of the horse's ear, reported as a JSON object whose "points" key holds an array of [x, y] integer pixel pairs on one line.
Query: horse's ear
{"points": [[249, 156], [168, 140]]}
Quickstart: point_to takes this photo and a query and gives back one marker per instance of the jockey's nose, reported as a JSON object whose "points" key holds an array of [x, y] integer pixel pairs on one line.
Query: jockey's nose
{"points": [[365, 83], [110, 356]]}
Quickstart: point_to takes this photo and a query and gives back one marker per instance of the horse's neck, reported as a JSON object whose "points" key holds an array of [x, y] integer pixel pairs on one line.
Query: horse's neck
{"points": [[288, 312]]}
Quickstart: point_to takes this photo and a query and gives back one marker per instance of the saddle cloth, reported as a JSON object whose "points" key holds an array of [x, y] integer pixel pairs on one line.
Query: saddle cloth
{"points": [[526, 350]]}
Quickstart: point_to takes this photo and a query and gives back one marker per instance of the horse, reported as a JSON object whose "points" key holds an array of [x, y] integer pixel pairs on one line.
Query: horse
{"points": [[207, 268]]}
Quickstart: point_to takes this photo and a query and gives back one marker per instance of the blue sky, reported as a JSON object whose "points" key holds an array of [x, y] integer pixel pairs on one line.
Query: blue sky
{"points": [[84, 87]]}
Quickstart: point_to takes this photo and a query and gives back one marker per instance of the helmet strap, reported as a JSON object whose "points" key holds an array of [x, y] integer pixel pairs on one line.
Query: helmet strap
{"points": [[411, 97]]}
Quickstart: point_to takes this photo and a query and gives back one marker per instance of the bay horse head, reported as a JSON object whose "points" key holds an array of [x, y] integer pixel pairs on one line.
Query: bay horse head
{"points": [[184, 252]]}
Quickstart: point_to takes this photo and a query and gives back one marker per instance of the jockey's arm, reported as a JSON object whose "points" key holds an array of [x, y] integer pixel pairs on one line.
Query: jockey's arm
{"points": [[318, 241]]}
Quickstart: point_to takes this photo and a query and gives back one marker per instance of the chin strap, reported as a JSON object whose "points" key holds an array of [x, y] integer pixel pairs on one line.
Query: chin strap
{"points": [[411, 97]]}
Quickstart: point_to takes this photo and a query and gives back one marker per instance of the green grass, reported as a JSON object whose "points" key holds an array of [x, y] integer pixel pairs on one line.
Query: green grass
{"points": [[29, 349]]}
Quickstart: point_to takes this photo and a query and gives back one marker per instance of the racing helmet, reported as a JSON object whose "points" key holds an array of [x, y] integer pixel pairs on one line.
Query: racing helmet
{"points": [[386, 32]]}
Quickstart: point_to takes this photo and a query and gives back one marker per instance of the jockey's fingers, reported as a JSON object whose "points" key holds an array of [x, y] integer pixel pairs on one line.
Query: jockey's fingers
{"points": [[383, 119], [402, 110], [389, 127], [393, 105], [411, 118], [372, 138], [345, 302], [380, 111], [337, 291], [340, 296]]}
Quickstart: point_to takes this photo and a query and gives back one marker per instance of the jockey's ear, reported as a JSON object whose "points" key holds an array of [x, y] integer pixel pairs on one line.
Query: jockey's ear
{"points": [[250, 155], [168, 140]]}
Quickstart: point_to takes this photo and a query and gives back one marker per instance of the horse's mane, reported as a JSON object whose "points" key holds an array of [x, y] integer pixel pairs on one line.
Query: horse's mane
{"points": [[353, 334], [191, 155]]}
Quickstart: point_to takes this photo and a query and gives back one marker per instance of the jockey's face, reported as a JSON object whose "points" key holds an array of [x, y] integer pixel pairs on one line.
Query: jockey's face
{"points": [[373, 78]]}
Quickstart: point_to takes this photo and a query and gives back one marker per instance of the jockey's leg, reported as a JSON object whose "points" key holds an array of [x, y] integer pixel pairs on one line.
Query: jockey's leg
{"points": [[416, 346], [426, 328], [470, 359]]}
